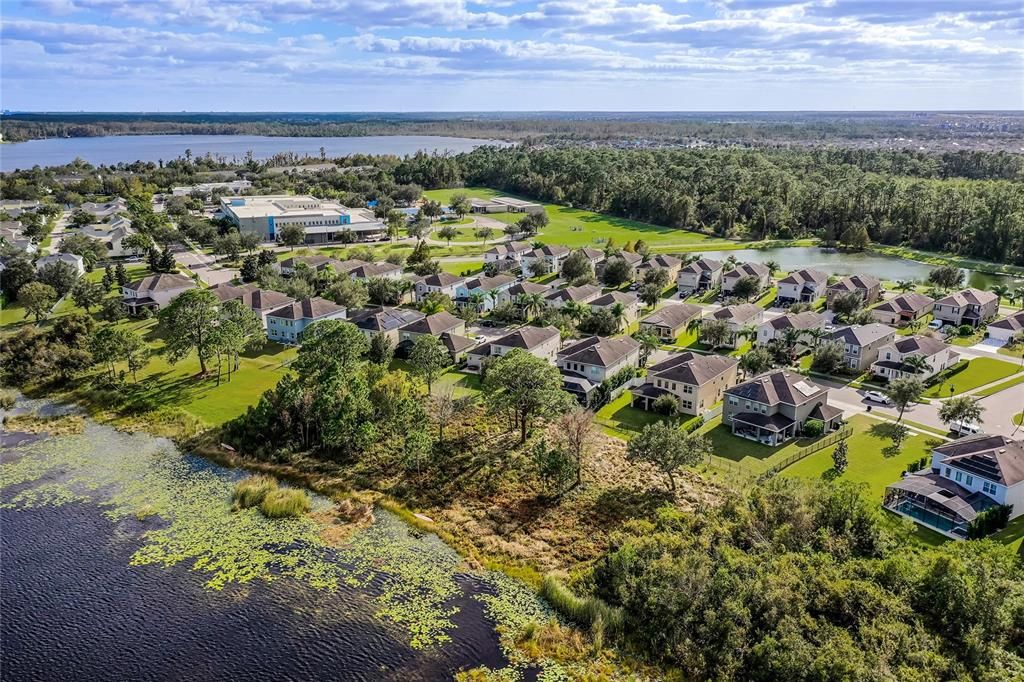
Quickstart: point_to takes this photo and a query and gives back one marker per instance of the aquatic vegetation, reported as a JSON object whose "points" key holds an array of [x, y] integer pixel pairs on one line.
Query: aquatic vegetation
{"points": [[7, 399], [249, 492], [285, 503], [53, 424]]}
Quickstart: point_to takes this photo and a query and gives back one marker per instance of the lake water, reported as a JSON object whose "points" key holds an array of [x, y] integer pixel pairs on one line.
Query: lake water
{"points": [[844, 263], [127, 148], [123, 561]]}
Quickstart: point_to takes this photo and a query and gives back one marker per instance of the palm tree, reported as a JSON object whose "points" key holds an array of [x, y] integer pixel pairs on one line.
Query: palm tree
{"points": [[790, 339], [494, 295], [618, 311], [905, 285], [648, 344], [1018, 294], [476, 299], [918, 363], [532, 304], [1002, 291], [773, 267], [575, 311]]}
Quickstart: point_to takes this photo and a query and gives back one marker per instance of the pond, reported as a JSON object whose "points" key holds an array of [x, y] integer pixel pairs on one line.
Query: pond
{"points": [[122, 559], [127, 148], [845, 263]]}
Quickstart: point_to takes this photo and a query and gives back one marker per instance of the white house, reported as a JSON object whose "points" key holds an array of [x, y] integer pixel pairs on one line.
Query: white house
{"points": [[541, 342], [508, 255], [490, 290], [74, 260], [111, 235], [1007, 328], [585, 364], [892, 357], [554, 256], [155, 291], [700, 275], [758, 272], [803, 286], [802, 322], [443, 283]]}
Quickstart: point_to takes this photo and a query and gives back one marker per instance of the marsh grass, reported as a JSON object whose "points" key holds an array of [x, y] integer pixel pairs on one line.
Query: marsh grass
{"points": [[587, 611], [250, 492], [58, 425], [280, 503], [7, 399]]}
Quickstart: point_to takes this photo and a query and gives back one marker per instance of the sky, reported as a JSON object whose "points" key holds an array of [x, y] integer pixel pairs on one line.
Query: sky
{"points": [[476, 55]]}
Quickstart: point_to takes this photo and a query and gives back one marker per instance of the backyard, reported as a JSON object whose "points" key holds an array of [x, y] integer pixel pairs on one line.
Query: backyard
{"points": [[970, 375]]}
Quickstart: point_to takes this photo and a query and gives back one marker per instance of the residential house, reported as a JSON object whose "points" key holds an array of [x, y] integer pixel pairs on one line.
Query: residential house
{"points": [[443, 283], [15, 207], [155, 291], [738, 318], [805, 322], [861, 343], [584, 294], [632, 259], [525, 288], [966, 477], [774, 407], [260, 301], [1007, 328], [970, 306], [432, 325], [489, 289], [107, 209], [541, 342], [670, 264], [384, 320], [72, 259], [671, 321], [458, 346], [111, 235], [868, 288], [759, 272], [553, 255], [630, 304], [595, 256], [508, 255], [700, 275], [375, 270], [585, 364], [902, 309], [697, 382], [891, 358], [11, 234], [289, 322], [803, 286]]}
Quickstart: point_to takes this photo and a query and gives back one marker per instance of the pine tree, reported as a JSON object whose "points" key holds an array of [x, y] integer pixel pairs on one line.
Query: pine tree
{"points": [[840, 456], [108, 278], [120, 275], [250, 268], [166, 263]]}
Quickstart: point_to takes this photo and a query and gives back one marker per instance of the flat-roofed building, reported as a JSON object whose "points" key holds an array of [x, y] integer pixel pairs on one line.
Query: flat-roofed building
{"points": [[323, 221], [207, 188]]}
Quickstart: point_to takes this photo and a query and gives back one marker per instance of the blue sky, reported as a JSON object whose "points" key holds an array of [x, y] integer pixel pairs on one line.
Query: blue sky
{"points": [[458, 55]]}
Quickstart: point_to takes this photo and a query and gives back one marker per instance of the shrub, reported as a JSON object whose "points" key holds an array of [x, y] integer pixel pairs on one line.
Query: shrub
{"points": [[285, 502], [813, 428], [989, 521], [250, 492], [965, 330], [7, 399], [666, 404]]}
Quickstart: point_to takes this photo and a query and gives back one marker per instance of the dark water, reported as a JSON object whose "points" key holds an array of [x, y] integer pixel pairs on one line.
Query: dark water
{"points": [[127, 148], [74, 608]]}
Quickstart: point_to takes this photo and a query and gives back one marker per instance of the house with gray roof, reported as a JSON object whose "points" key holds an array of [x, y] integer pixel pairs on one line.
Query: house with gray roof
{"points": [[774, 407], [670, 264], [630, 305], [585, 364], [969, 306], [442, 283], [383, 320], [671, 320], [776, 328], [903, 309], [803, 286], [487, 289], [700, 275], [862, 342], [541, 342], [154, 292], [288, 323], [696, 382], [1006, 328], [868, 288], [755, 271], [892, 358], [737, 318], [584, 294]]}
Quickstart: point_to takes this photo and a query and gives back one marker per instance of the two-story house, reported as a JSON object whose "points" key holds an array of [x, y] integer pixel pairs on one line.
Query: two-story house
{"points": [[671, 320], [383, 320], [288, 323], [517, 291], [803, 286], [697, 382], [583, 294], [759, 272], [541, 342], [970, 306], [868, 288], [737, 318], [585, 364], [773, 408], [594, 256], [776, 329], [700, 275], [376, 270], [432, 325], [861, 343], [1007, 328], [443, 283], [507, 256], [552, 254], [73, 260], [630, 305], [891, 362], [670, 264], [902, 309], [288, 266], [966, 477], [483, 292], [154, 292], [260, 301]]}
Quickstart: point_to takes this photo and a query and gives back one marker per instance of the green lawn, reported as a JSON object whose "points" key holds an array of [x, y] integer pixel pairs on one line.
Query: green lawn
{"points": [[620, 414], [752, 457], [574, 227], [462, 383], [688, 338], [992, 390], [970, 375], [466, 234], [462, 267]]}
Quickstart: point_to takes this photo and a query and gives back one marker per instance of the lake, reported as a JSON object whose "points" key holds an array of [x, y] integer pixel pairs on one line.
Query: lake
{"points": [[123, 560], [845, 263], [127, 148]]}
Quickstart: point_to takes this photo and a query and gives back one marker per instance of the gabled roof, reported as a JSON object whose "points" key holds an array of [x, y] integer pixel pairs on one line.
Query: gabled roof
{"points": [[674, 315], [434, 324], [748, 270], [527, 338], [315, 262], [805, 276], [630, 257], [910, 302], [600, 351], [779, 386], [510, 248], [690, 368], [738, 313], [161, 282], [578, 294], [442, 279], [1013, 322], [996, 458], [489, 283], [862, 334], [805, 320], [592, 254], [384, 319], [456, 343], [661, 261], [919, 345], [968, 297], [371, 270], [307, 309], [613, 297], [703, 265], [549, 250], [229, 292], [265, 299], [527, 287], [855, 283]]}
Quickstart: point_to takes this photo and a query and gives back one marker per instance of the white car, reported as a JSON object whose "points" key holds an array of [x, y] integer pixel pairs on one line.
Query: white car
{"points": [[965, 428], [935, 324], [877, 397]]}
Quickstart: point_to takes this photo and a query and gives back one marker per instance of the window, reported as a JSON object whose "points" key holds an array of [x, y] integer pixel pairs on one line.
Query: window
{"points": [[989, 488], [687, 405], [969, 481], [949, 472], [957, 477], [687, 389]]}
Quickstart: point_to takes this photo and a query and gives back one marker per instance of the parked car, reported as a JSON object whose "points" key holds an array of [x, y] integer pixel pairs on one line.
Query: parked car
{"points": [[877, 397], [935, 324], [965, 428]]}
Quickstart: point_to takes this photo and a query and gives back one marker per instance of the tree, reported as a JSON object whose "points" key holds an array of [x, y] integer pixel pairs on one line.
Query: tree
{"points": [[249, 241], [841, 456], [431, 209], [460, 205], [428, 358], [577, 432], [828, 358], [382, 350], [137, 243], [60, 275], [121, 275], [1002, 291], [616, 272], [331, 349], [444, 406], [650, 294], [484, 233], [80, 218], [229, 245], [91, 250], [773, 267], [918, 363], [523, 388], [166, 261], [239, 329], [18, 271], [756, 361], [577, 267], [448, 233], [905, 285], [418, 228], [250, 270], [947, 277], [905, 391], [87, 294], [648, 344], [745, 287], [657, 277], [846, 304], [668, 449], [292, 235], [856, 237], [348, 292], [554, 467], [962, 409], [113, 310], [714, 332], [108, 278], [188, 323], [37, 298]]}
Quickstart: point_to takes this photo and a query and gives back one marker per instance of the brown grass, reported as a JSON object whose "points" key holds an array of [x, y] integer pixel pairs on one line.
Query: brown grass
{"points": [[62, 425]]}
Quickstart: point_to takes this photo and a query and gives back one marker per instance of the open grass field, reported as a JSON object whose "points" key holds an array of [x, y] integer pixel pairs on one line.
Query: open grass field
{"points": [[462, 267], [975, 373], [575, 227]]}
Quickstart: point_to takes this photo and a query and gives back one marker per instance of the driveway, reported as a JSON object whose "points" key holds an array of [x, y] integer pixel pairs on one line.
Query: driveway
{"points": [[203, 265]]}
